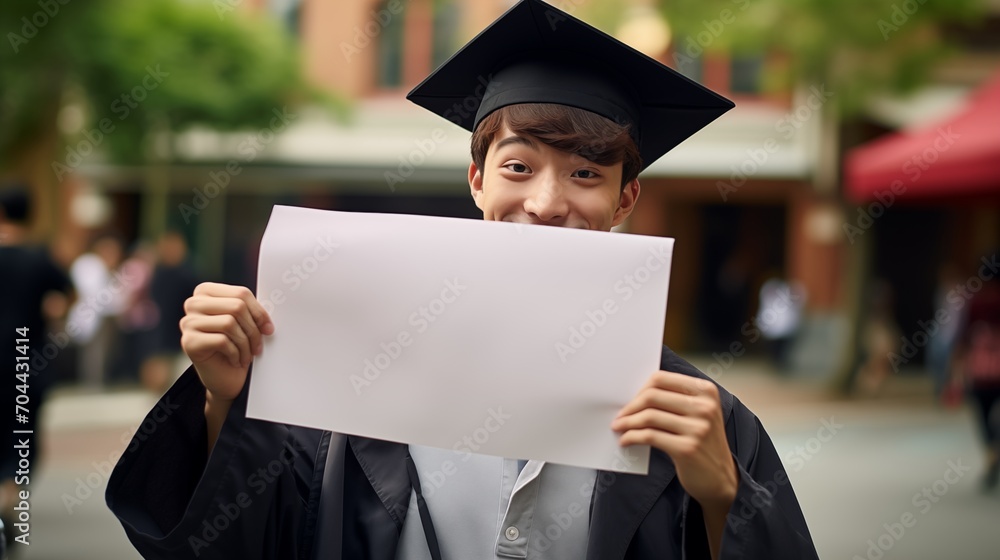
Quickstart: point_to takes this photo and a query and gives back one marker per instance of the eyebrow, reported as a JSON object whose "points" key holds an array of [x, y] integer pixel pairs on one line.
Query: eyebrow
{"points": [[516, 140]]}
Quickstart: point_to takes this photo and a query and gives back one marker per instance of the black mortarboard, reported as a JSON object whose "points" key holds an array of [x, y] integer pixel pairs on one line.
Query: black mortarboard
{"points": [[536, 53]]}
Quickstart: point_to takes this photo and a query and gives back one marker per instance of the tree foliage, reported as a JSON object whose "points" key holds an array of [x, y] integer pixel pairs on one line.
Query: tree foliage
{"points": [[855, 47], [133, 66]]}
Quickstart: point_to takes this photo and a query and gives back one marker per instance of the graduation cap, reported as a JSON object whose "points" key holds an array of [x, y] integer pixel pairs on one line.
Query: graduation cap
{"points": [[536, 53]]}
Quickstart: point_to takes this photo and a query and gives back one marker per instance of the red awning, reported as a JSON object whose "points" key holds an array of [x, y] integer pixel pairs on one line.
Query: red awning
{"points": [[956, 159]]}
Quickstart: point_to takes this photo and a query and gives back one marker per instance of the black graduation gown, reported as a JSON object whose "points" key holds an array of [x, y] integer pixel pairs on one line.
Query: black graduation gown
{"points": [[279, 492]]}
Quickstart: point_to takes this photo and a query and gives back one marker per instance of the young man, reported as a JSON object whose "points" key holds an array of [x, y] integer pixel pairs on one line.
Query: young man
{"points": [[563, 119]]}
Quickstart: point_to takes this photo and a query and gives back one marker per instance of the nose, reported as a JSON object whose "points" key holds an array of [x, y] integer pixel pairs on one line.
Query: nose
{"points": [[547, 200]]}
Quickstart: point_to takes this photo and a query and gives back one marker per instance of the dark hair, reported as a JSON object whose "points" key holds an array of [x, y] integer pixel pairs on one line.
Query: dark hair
{"points": [[564, 128], [15, 202]]}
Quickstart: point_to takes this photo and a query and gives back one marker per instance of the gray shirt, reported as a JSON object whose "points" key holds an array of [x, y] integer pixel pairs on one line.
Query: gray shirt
{"points": [[485, 507]]}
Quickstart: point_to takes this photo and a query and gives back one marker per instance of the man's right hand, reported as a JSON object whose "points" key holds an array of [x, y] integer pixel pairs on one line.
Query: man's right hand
{"points": [[221, 332]]}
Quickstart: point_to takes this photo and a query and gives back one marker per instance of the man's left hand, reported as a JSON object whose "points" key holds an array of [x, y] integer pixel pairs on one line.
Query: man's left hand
{"points": [[682, 416]]}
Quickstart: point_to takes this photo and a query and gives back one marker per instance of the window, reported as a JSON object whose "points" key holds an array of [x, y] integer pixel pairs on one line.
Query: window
{"points": [[287, 12], [692, 66], [745, 74], [417, 40], [390, 51], [445, 31]]}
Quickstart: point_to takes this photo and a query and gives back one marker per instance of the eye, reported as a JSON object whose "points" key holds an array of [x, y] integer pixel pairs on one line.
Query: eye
{"points": [[517, 167], [586, 174]]}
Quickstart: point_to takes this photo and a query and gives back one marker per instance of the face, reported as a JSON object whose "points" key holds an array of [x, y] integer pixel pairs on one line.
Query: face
{"points": [[526, 181], [110, 251]]}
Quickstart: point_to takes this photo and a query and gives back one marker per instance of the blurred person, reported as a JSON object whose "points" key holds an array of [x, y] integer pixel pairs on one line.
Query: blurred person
{"points": [[879, 338], [725, 306], [977, 366], [33, 290], [173, 281], [779, 316], [558, 142], [939, 349], [139, 316], [102, 290]]}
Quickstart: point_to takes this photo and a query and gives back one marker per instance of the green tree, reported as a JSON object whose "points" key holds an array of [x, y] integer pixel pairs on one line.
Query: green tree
{"points": [[854, 47], [112, 75]]}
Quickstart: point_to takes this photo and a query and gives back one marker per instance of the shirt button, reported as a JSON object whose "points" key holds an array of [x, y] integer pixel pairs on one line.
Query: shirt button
{"points": [[512, 533]]}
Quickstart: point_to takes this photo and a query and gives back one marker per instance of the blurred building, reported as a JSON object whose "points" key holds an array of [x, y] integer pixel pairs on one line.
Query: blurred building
{"points": [[753, 196]]}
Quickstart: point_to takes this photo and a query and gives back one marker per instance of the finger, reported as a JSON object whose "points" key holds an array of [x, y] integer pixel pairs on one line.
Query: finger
{"points": [[202, 305], [216, 289], [223, 306], [662, 399], [658, 420], [260, 316], [206, 345], [681, 383], [227, 325], [688, 388], [671, 444]]}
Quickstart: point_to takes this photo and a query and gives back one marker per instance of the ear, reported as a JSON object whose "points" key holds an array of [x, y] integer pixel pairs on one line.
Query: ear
{"points": [[626, 202], [476, 185]]}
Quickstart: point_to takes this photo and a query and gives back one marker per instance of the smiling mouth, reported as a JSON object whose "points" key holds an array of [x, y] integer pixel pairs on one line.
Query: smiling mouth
{"points": [[547, 224]]}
